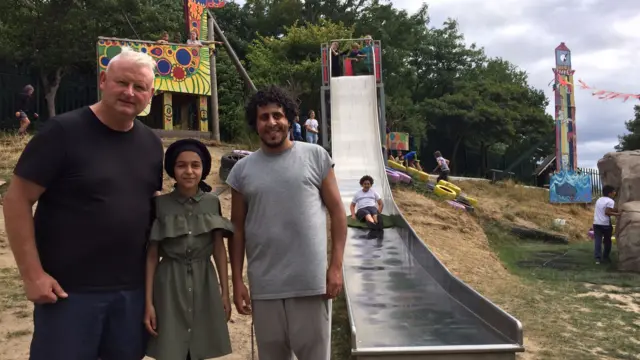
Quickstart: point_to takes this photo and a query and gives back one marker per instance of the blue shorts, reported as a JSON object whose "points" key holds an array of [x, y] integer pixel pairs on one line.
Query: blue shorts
{"points": [[312, 138], [90, 326]]}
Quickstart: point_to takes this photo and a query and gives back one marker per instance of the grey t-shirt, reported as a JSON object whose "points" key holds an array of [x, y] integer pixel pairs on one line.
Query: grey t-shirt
{"points": [[443, 164], [286, 224]]}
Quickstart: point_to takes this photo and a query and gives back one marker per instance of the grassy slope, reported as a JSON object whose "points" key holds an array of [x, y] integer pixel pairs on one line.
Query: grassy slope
{"points": [[570, 308], [580, 311]]}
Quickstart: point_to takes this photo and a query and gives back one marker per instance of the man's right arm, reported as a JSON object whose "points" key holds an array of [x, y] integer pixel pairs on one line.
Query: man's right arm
{"points": [[611, 210], [18, 205], [39, 166], [237, 244]]}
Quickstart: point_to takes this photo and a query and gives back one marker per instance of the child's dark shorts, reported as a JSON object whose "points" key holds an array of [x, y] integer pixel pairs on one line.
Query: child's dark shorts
{"points": [[369, 210]]}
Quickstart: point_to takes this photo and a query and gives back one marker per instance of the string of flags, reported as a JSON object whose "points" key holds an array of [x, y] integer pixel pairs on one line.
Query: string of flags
{"points": [[608, 95], [600, 94]]}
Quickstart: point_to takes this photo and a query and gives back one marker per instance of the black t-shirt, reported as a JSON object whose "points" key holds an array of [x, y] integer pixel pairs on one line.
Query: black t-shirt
{"points": [[92, 221]]}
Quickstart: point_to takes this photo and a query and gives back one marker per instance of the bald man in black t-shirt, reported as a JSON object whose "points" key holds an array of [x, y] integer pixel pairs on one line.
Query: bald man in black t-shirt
{"points": [[93, 172]]}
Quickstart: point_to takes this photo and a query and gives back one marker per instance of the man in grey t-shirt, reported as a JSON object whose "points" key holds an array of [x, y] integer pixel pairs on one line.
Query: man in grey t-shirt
{"points": [[279, 197]]}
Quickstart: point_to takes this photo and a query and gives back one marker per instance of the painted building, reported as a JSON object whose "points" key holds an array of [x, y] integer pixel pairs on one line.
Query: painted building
{"points": [[183, 73]]}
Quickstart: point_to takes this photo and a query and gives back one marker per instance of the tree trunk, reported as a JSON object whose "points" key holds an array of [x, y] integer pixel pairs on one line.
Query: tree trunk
{"points": [[51, 83], [452, 166], [483, 159]]}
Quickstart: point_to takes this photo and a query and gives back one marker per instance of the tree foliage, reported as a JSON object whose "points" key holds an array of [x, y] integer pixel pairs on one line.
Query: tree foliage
{"points": [[449, 95], [631, 140]]}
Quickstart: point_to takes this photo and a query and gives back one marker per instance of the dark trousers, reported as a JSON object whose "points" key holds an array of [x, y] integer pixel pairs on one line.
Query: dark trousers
{"points": [[602, 235], [90, 326], [444, 175]]}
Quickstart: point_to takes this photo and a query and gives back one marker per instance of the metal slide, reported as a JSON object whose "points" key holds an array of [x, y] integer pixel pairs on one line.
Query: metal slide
{"points": [[402, 302]]}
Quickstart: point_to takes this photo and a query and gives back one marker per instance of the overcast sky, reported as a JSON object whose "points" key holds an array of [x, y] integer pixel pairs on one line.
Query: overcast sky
{"points": [[603, 36]]}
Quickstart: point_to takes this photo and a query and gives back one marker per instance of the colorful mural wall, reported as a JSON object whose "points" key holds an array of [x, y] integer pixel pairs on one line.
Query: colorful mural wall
{"points": [[194, 14], [567, 185], [398, 141], [180, 68], [570, 187]]}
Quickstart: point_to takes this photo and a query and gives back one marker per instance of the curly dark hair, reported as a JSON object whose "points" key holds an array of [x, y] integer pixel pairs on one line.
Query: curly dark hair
{"points": [[607, 190], [365, 178], [270, 95]]}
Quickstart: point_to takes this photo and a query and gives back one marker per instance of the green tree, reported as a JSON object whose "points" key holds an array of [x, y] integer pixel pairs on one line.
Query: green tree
{"points": [[56, 37], [230, 99], [631, 140], [293, 60]]}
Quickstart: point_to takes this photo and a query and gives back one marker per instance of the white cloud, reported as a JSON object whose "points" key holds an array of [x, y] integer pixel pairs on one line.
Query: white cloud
{"points": [[602, 35]]}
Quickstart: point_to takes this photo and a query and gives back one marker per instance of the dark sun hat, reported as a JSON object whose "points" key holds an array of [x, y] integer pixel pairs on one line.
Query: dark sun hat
{"points": [[174, 150]]}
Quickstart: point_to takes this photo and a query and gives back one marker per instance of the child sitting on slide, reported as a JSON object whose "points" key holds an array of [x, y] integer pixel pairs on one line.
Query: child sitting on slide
{"points": [[367, 204]]}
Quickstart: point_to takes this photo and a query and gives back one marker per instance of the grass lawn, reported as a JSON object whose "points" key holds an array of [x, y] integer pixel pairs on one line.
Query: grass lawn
{"points": [[583, 310], [340, 331]]}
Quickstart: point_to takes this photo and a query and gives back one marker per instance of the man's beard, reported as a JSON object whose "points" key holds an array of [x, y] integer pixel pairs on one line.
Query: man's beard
{"points": [[274, 144]]}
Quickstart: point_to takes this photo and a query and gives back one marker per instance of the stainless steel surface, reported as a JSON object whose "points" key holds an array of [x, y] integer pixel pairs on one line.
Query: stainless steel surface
{"points": [[402, 301]]}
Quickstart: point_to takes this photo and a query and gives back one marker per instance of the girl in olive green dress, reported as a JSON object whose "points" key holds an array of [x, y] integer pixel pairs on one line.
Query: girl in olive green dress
{"points": [[187, 310]]}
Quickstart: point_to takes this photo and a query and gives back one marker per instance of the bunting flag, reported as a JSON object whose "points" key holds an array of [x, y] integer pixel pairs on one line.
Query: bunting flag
{"points": [[607, 95], [563, 82], [559, 80]]}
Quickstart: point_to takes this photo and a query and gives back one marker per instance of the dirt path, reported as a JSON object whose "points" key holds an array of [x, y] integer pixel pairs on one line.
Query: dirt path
{"points": [[15, 311]]}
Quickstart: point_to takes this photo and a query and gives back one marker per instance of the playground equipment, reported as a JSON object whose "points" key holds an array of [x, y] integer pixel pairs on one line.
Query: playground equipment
{"points": [[402, 301], [420, 175], [325, 93], [186, 85], [398, 141], [567, 185]]}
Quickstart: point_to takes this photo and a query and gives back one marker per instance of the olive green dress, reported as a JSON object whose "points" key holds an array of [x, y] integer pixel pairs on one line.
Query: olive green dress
{"points": [[186, 294]]}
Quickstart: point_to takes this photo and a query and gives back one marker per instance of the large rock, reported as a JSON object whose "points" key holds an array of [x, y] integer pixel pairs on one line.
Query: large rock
{"points": [[628, 237], [622, 171]]}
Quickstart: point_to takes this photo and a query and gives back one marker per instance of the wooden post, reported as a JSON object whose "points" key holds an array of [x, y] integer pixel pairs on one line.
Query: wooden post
{"points": [[167, 107], [232, 54], [215, 119], [203, 114]]}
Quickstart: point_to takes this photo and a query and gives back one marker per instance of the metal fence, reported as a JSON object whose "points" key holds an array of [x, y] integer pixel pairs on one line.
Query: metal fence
{"points": [[76, 90], [596, 182]]}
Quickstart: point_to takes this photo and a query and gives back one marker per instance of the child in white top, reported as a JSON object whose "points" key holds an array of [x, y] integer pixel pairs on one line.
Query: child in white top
{"points": [[443, 165], [602, 229], [367, 204]]}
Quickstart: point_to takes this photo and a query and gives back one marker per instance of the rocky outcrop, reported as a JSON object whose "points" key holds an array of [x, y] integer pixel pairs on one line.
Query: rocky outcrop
{"points": [[628, 237], [622, 171]]}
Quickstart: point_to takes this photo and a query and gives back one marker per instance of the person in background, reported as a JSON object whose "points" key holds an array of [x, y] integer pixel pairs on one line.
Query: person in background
{"points": [[93, 173], [187, 308], [367, 50], [296, 130], [164, 39], [412, 161], [443, 165], [311, 127], [193, 39], [602, 228], [400, 157], [24, 105], [336, 56]]}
